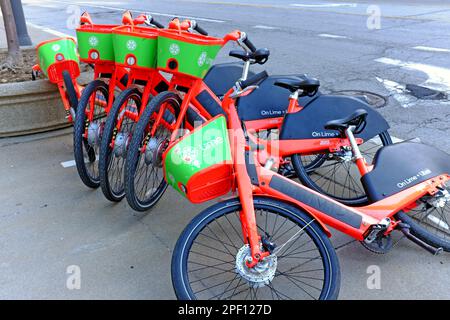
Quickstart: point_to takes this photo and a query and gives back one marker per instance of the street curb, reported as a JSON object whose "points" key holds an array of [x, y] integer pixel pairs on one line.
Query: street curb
{"points": [[32, 107]]}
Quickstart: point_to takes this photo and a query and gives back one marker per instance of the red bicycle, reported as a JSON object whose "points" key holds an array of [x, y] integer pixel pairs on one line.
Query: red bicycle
{"points": [[135, 49], [188, 95], [95, 47], [271, 242], [188, 58], [58, 61]]}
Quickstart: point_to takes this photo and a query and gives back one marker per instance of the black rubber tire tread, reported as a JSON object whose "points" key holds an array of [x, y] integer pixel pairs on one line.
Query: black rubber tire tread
{"points": [[422, 233], [70, 90], [133, 154], [182, 247], [79, 129], [105, 150]]}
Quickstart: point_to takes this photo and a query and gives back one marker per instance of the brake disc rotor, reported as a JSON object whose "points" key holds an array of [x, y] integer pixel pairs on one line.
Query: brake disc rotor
{"points": [[260, 275]]}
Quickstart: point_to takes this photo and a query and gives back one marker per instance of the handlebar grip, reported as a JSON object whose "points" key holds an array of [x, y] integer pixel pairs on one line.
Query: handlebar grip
{"points": [[157, 24], [254, 79], [249, 44], [200, 30]]}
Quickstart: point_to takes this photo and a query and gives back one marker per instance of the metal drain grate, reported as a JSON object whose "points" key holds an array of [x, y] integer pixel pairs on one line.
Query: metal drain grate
{"points": [[373, 99]]}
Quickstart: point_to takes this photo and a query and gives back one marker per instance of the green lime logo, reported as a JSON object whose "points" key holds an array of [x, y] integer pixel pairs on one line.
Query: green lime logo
{"points": [[93, 41], [56, 47], [131, 45], [202, 59], [188, 155], [174, 49]]}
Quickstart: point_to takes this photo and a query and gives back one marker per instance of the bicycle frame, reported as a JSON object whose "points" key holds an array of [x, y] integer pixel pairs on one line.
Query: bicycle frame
{"points": [[268, 149], [254, 179], [192, 87], [58, 66]]}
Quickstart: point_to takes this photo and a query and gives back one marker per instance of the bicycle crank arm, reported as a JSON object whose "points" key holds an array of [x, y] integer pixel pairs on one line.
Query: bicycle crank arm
{"points": [[405, 229]]}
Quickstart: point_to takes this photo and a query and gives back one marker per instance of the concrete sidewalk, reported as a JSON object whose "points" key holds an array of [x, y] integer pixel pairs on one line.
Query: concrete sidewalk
{"points": [[37, 34], [49, 221]]}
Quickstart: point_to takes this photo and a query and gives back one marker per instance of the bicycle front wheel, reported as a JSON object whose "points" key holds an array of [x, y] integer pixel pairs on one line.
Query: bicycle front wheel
{"points": [[144, 176], [88, 127], [119, 129], [210, 255]]}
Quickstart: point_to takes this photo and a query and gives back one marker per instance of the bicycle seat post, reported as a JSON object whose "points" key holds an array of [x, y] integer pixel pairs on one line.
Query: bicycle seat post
{"points": [[293, 101], [359, 159], [245, 70]]}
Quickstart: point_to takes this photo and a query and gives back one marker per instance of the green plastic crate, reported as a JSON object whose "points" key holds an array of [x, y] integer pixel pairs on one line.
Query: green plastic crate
{"points": [[186, 53], [95, 43], [135, 46]]}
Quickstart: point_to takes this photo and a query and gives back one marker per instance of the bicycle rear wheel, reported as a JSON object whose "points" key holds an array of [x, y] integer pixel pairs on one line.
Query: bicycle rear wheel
{"points": [[430, 219], [209, 257], [333, 174]]}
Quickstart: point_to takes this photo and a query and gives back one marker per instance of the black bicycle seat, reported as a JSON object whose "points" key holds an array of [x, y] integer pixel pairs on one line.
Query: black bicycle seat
{"points": [[260, 56], [293, 84], [356, 119]]}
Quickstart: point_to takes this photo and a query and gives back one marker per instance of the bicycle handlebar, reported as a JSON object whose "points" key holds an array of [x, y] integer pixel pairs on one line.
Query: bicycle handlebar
{"points": [[194, 26], [249, 44], [237, 36], [156, 23]]}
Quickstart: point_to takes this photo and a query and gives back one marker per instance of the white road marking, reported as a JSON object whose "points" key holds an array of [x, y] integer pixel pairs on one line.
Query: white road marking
{"points": [[398, 92], [265, 27], [333, 36], [72, 163], [68, 164], [438, 221], [438, 77], [89, 4], [378, 142], [48, 30], [431, 49], [324, 5]]}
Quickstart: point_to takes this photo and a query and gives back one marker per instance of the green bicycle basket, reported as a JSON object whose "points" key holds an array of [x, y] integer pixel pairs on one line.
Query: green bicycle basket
{"points": [[186, 53], [95, 43], [199, 165], [57, 55], [135, 46]]}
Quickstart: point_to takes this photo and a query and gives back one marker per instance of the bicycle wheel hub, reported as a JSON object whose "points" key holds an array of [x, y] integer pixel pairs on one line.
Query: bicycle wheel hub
{"points": [[440, 200], [260, 275], [154, 152], [344, 155], [94, 133], [121, 144]]}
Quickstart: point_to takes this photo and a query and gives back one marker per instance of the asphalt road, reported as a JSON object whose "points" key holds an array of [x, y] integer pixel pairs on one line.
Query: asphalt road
{"points": [[50, 221], [328, 40]]}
